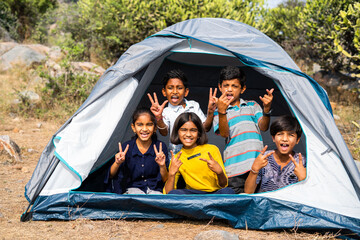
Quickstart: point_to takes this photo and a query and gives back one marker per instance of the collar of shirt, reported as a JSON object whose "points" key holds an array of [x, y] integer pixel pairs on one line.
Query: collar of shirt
{"points": [[135, 150], [178, 107], [242, 103]]}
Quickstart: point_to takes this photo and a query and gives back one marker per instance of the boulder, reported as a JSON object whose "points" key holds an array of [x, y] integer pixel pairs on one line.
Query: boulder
{"points": [[6, 46], [22, 55], [88, 67], [9, 146]]}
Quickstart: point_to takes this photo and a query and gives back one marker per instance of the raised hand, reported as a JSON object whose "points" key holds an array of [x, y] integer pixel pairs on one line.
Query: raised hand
{"points": [[267, 99], [160, 156], [223, 102], [212, 101], [120, 156], [261, 160], [212, 164], [300, 170], [175, 163], [156, 108]]}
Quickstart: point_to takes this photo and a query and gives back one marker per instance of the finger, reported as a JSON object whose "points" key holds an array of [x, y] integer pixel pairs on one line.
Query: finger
{"points": [[160, 147], [270, 91], [215, 91], [164, 103], [172, 154], [179, 154], [155, 98], [268, 154], [155, 149], [151, 99], [211, 158], [300, 158], [120, 148], [264, 149], [126, 149], [293, 160], [210, 93], [204, 160]]}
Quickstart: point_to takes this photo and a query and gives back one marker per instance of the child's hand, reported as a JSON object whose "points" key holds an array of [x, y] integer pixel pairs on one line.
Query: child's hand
{"points": [[267, 100], [212, 164], [160, 156], [156, 108], [300, 170], [223, 102], [212, 101], [261, 160], [175, 163], [120, 156]]}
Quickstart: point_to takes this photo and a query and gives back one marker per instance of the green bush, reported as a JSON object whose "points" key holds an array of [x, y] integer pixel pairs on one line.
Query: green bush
{"points": [[318, 21], [7, 21], [346, 37], [108, 28]]}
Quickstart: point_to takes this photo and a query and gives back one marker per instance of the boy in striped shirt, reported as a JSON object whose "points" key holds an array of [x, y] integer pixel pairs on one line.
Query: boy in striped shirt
{"points": [[240, 122]]}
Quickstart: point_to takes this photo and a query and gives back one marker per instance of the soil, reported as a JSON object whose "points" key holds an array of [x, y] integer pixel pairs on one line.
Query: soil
{"points": [[32, 136]]}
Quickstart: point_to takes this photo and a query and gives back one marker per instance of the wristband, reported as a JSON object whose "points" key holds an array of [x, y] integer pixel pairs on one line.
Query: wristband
{"points": [[268, 114], [162, 127], [253, 171], [222, 113]]}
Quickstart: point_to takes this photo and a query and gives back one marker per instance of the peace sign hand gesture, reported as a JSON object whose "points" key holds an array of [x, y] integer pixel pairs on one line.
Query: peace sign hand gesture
{"points": [[300, 170], [175, 163], [156, 108], [120, 156], [267, 100], [261, 160], [212, 164], [212, 101], [160, 156]]}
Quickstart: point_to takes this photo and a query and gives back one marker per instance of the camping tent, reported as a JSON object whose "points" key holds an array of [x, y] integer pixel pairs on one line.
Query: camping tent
{"points": [[67, 182]]}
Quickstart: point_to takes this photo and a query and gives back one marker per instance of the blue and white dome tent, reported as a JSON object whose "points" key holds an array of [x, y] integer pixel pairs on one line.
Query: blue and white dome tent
{"points": [[68, 180]]}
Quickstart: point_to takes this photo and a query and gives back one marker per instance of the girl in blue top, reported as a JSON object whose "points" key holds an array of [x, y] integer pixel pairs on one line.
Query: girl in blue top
{"points": [[140, 166]]}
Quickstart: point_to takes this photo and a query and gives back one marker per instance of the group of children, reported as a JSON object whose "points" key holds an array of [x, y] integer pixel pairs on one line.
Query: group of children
{"points": [[142, 165]]}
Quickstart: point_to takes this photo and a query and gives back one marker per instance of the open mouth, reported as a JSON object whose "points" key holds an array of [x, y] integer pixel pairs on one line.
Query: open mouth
{"points": [[144, 135], [229, 96], [284, 146]]}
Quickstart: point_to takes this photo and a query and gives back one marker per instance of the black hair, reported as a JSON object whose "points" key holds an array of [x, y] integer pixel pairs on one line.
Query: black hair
{"points": [[231, 72], [175, 73], [141, 111], [181, 120], [286, 123]]}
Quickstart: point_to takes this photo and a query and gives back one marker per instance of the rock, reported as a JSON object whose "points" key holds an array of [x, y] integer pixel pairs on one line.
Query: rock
{"points": [[31, 96], [216, 234], [55, 54], [9, 146], [336, 117], [87, 67], [6, 46], [22, 55], [39, 125], [44, 50], [25, 170], [30, 150], [4, 35]]}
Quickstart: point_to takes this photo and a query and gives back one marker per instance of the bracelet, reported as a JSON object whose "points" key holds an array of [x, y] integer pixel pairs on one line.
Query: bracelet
{"points": [[162, 127], [253, 171], [222, 113], [268, 114]]}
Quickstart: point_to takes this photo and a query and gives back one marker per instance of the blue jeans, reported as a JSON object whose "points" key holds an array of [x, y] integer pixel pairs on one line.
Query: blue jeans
{"points": [[192, 191]]}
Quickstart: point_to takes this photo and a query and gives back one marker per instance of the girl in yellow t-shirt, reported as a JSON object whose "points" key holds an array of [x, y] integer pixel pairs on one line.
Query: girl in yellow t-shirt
{"points": [[199, 163]]}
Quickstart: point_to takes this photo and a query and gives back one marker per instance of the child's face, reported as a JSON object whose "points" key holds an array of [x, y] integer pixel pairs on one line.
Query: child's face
{"points": [[232, 88], [175, 91], [285, 141], [144, 128], [188, 135]]}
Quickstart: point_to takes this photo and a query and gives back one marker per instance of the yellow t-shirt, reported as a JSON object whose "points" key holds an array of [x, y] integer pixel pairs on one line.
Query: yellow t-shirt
{"points": [[196, 173]]}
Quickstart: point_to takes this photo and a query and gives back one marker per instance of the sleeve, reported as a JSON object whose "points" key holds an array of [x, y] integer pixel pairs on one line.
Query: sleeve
{"points": [[259, 176], [216, 122], [304, 160], [258, 112], [199, 112], [166, 118], [114, 185]]}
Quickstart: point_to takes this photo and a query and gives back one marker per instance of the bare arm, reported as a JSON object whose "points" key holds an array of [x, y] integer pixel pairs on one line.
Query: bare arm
{"points": [[216, 168], [157, 110], [267, 100], [119, 159]]}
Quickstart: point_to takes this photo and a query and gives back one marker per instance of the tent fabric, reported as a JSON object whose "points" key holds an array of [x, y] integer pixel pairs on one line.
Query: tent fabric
{"points": [[88, 140]]}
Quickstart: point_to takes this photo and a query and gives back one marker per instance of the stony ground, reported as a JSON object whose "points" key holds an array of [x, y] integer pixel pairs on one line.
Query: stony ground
{"points": [[32, 136]]}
